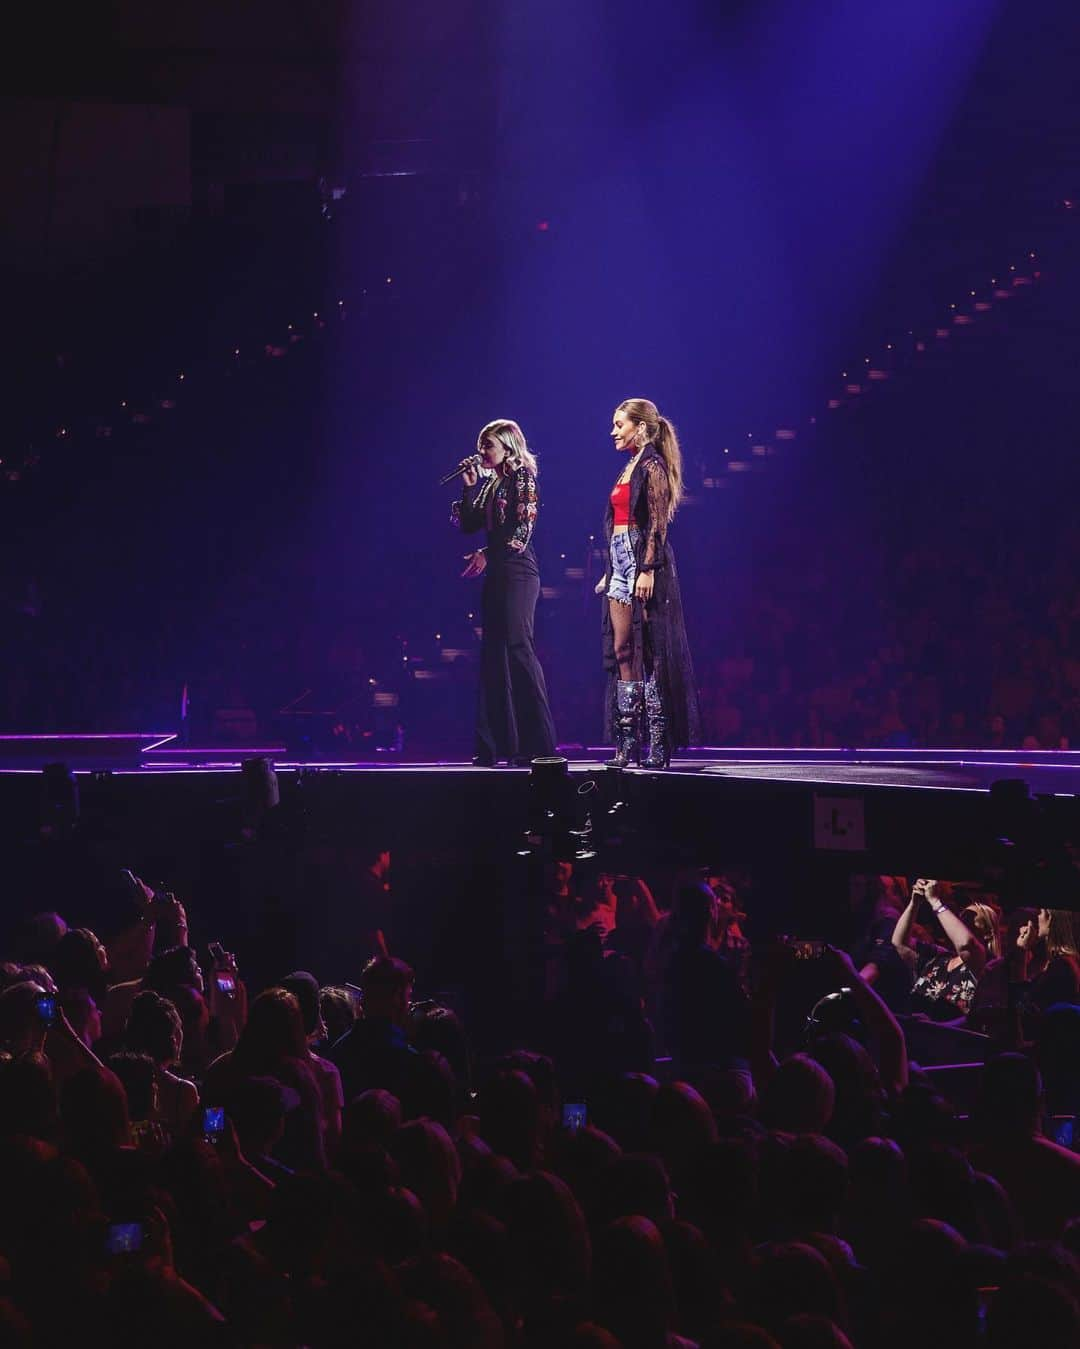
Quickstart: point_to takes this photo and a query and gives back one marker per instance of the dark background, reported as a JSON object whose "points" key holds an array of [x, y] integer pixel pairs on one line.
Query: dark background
{"points": [[473, 210]]}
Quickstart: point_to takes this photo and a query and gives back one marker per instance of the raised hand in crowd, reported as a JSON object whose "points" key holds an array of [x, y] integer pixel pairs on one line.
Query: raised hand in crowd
{"points": [[226, 996], [170, 920], [886, 1031]]}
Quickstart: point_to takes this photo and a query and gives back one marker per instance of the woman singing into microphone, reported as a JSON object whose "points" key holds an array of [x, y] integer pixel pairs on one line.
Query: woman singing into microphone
{"points": [[513, 720], [646, 654]]}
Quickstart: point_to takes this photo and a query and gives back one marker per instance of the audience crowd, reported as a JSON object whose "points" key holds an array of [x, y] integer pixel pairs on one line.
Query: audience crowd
{"points": [[707, 1142], [954, 646]]}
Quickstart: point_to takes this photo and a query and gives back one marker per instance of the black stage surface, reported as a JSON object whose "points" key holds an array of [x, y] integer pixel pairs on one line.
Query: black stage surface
{"points": [[888, 811]]}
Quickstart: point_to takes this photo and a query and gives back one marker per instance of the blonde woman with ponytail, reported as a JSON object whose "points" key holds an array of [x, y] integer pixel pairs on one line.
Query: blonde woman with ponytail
{"points": [[646, 654]]}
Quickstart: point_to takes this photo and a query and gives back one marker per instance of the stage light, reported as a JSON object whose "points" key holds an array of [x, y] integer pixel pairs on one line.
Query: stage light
{"points": [[559, 826]]}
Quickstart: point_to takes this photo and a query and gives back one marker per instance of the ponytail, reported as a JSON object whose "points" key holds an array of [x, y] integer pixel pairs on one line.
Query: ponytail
{"points": [[667, 442], [659, 432]]}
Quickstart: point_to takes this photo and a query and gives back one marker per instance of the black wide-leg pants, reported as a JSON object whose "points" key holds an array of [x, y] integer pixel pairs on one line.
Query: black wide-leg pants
{"points": [[513, 717]]}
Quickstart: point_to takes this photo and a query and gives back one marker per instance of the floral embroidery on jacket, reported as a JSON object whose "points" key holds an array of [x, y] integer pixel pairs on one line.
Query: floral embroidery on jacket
{"points": [[528, 504], [508, 506]]}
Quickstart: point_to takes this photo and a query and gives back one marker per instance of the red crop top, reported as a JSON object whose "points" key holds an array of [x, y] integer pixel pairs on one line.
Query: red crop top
{"points": [[620, 501]]}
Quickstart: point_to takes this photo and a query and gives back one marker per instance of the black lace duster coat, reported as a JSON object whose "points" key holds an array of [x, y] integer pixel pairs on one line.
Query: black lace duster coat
{"points": [[659, 629]]}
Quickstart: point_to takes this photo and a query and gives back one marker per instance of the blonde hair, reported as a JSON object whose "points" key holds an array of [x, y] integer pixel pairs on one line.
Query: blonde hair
{"points": [[512, 438], [659, 432], [986, 923]]}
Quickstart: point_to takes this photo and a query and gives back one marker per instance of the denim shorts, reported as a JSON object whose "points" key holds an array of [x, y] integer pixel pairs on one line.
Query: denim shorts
{"points": [[622, 571]]}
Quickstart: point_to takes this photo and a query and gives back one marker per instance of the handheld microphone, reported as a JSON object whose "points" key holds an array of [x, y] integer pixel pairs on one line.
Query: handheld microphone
{"points": [[473, 461]]}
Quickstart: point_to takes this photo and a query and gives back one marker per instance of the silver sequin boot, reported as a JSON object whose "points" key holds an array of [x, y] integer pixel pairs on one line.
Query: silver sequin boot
{"points": [[659, 750], [629, 695]]}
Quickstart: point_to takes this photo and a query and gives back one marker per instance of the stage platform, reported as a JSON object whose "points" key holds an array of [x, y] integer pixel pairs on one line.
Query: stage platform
{"points": [[929, 811], [800, 829], [1054, 772]]}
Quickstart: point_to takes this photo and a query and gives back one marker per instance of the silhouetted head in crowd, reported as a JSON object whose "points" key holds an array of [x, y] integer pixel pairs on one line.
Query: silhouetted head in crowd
{"points": [[339, 1009], [22, 1027], [799, 1097], [804, 1182], [127, 930], [632, 1183], [510, 1117], [194, 1018], [94, 1114], [177, 967], [387, 985], [879, 1180], [429, 1166], [1060, 930], [36, 939], [447, 1288], [929, 1257], [154, 1027], [579, 1157], [943, 1187], [83, 1014], [305, 987], [695, 915], [682, 1126], [372, 1117], [624, 1110], [438, 1028], [790, 1279], [632, 1286], [79, 961], [859, 1107], [547, 1239], [699, 1278], [274, 1031], [540, 1070], [139, 1080], [922, 1116], [28, 1103], [429, 1090], [558, 878], [401, 1222]]}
